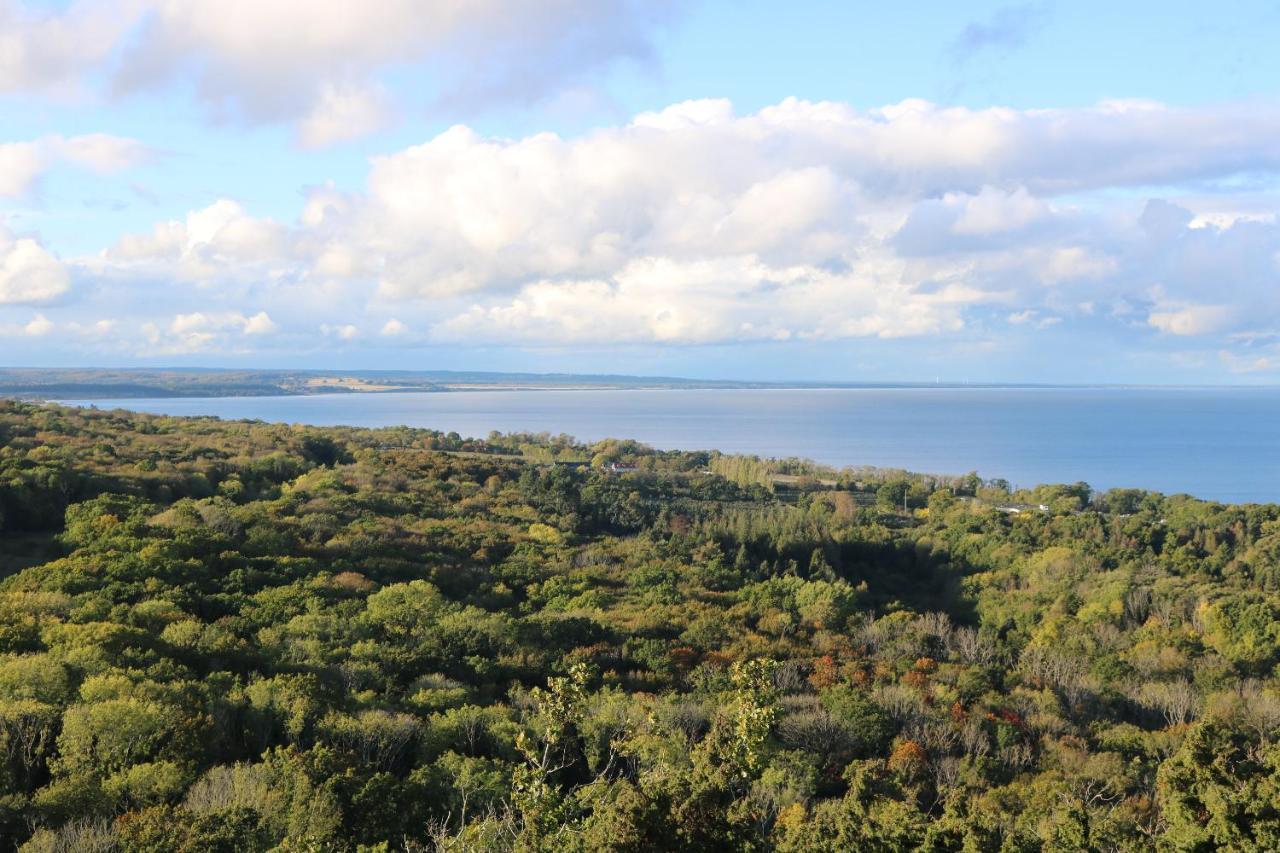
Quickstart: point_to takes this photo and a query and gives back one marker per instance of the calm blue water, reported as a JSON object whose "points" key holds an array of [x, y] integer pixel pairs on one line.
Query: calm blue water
{"points": [[1217, 444]]}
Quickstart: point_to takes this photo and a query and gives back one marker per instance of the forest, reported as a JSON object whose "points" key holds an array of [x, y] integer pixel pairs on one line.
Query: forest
{"points": [[241, 636]]}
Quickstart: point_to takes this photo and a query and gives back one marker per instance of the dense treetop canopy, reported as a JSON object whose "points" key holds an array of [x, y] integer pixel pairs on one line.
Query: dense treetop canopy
{"points": [[243, 636]]}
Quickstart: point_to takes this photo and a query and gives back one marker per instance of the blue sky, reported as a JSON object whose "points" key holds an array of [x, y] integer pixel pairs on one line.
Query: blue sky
{"points": [[1048, 191]]}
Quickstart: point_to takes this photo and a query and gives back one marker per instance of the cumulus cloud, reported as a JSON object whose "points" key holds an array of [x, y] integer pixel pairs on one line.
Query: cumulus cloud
{"points": [[22, 163], [38, 326], [207, 242], [200, 331], [802, 221], [29, 273], [94, 330], [260, 324], [742, 299], [797, 182]]}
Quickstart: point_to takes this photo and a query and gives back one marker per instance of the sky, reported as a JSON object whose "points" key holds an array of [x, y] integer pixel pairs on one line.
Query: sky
{"points": [[846, 191]]}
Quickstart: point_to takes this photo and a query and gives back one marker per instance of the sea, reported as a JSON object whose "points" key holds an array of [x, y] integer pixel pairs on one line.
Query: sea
{"points": [[1218, 444]]}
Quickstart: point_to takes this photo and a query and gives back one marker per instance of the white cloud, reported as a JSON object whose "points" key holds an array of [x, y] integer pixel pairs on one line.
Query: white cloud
{"points": [[270, 60], [210, 240], [322, 65], [200, 331], [260, 324], [1248, 364], [96, 329], [394, 328], [29, 273], [800, 221], [338, 261], [343, 113], [38, 327], [46, 48], [100, 152], [795, 182], [1193, 319], [22, 163], [345, 332], [992, 211], [731, 299], [1251, 362], [1073, 263]]}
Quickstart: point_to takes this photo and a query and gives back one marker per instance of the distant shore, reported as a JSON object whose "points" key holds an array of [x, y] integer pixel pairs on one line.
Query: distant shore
{"points": [[158, 383]]}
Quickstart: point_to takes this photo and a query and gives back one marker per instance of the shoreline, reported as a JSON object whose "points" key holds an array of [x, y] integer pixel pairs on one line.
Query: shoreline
{"points": [[1029, 439], [111, 393], [55, 384]]}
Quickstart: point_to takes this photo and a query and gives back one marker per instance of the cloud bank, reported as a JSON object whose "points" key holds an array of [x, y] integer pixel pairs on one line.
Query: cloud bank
{"points": [[802, 221], [322, 66]]}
